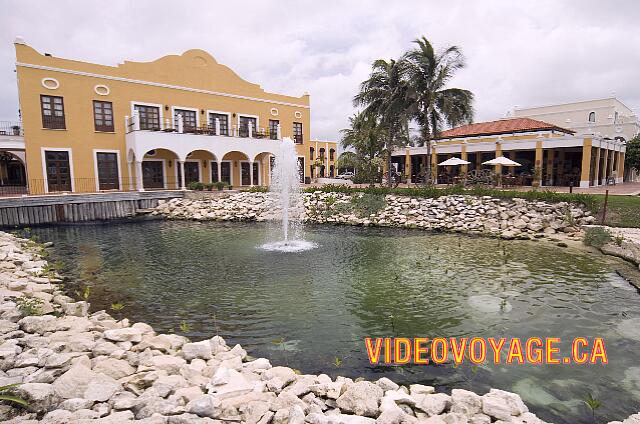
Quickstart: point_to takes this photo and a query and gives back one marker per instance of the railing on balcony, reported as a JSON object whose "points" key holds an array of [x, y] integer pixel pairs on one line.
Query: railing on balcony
{"points": [[134, 123], [11, 128]]}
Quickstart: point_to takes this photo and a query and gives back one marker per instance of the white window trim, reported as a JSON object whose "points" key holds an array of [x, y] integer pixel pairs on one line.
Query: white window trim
{"points": [[229, 128], [164, 167], [192, 109], [159, 106], [95, 166], [44, 165], [244, 115], [199, 161], [231, 183]]}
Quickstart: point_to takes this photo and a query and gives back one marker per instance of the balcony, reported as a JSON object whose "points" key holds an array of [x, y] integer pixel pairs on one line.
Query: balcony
{"points": [[11, 128], [181, 138]]}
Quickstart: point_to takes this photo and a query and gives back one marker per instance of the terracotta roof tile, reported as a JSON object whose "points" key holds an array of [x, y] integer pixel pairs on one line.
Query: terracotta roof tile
{"points": [[503, 126]]}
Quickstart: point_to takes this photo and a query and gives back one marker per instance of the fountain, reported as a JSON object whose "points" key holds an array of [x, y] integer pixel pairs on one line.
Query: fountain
{"points": [[285, 186]]}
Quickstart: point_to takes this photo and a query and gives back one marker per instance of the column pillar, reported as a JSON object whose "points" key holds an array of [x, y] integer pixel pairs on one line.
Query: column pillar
{"points": [[549, 166], [464, 156], [537, 171], [498, 168], [250, 173], [182, 184], [597, 173], [605, 165], [434, 165], [621, 167], [585, 168], [219, 165], [407, 165], [130, 166], [139, 180]]}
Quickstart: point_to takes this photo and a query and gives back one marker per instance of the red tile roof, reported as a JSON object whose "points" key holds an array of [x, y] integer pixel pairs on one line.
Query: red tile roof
{"points": [[503, 126]]}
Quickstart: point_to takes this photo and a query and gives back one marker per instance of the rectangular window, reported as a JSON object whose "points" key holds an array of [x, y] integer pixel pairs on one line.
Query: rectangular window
{"points": [[222, 119], [149, 117], [108, 178], [52, 112], [189, 121], [103, 116], [331, 154], [152, 174], [273, 129], [58, 170], [225, 172], [245, 121], [297, 132]]}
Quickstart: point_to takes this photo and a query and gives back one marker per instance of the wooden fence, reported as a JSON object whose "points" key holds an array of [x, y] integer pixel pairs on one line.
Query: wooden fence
{"points": [[42, 210]]}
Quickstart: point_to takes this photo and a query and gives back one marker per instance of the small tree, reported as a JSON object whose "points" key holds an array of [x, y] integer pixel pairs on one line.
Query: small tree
{"points": [[632, 156]]}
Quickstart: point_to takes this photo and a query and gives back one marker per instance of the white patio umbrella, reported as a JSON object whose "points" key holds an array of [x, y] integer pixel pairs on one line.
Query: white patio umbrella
{"points": [[501, 160], [454, 161]]}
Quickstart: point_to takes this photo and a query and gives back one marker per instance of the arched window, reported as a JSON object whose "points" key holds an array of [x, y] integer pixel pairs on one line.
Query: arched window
{"points": [[332, 153], [592, 117]]}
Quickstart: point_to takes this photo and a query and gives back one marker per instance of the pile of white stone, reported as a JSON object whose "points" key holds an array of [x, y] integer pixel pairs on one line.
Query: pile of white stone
{"points": [[507, 218], [80, 368]]}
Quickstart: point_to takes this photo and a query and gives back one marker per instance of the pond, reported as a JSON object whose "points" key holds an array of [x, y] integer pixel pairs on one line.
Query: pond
{"points": [[312, 310]]}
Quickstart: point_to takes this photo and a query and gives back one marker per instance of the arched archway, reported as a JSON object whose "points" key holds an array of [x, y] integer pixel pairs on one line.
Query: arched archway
{"points": [[262, 168], [13, 174], [199, 166], [159, 170], [235, 169]]}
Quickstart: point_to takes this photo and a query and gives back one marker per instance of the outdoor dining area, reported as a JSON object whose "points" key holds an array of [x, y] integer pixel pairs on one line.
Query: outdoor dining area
{"points": [[453, 171]]}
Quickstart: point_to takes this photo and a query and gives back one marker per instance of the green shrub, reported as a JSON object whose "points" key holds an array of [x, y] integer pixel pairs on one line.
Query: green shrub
{"points": [[257, 189], [209, 186], [29, 306], [596, 236], [220, 185], [590, 201], [196, 185], [368, 204]]}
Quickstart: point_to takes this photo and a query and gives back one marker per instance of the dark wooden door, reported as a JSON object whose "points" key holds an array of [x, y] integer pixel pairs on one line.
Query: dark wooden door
{"points": [[244, 171], [58, 171], [256, 174], [191, 172], [225, 170], [152, 174], [108, 178]]}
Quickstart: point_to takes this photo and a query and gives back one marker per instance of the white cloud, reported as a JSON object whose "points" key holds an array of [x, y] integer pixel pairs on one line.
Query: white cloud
{"points": [[518, 53]]}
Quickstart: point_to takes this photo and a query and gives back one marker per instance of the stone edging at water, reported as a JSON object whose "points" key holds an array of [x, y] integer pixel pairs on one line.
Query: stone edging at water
{"points": [[79, 368], [506, 218]]}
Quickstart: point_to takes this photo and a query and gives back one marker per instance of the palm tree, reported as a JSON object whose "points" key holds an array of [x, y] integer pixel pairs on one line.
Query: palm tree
{"points": [[365, 136], [384, 95], [430, 103]]}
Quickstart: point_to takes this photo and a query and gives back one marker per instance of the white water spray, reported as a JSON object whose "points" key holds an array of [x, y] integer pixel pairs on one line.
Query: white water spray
{"points": [[285, 185]]}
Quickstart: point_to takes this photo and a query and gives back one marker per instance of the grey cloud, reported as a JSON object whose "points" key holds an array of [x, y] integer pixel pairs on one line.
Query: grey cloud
{"points": [[518, 53]]}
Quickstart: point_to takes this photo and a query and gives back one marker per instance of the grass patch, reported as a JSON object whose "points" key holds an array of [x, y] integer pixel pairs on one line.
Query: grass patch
{"points": [[622, 211]]}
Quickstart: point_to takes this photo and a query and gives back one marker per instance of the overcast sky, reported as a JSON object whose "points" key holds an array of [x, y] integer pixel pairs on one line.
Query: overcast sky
{"points": [[518, 53]]}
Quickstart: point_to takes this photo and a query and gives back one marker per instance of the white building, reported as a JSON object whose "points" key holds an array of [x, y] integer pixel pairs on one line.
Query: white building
{"points": [[608, 118]]}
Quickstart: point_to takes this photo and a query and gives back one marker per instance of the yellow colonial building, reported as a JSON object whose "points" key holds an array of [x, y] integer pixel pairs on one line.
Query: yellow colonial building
{"points": [[548, 154], [154, 125]]}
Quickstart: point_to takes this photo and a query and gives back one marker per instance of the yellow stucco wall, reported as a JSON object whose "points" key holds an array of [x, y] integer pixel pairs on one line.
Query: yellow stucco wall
{"points": [[175, 80]]}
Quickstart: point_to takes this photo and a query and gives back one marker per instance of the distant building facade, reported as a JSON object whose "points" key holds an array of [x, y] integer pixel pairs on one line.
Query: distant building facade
{"points": [[607, 118], [150, 125]]}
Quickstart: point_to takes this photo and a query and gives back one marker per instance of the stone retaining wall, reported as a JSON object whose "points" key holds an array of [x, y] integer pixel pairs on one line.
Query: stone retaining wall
{"points": [[507, 218]]}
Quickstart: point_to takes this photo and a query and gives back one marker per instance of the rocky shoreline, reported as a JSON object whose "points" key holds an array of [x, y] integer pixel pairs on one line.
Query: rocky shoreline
{"points": [[505, 218], [76, 367]]}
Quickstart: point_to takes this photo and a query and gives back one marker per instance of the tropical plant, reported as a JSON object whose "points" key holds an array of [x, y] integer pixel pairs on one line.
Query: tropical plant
{"points": [[196, 185], [430, 102], [185, 327], [347, 160], [365, 136], [220, 185], [5, 395], [593, 404], [632, 155], [384, 95]]}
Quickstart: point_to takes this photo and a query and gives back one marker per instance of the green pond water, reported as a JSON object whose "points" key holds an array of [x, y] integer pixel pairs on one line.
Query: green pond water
{"points": [[312, 310]]}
